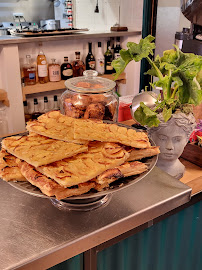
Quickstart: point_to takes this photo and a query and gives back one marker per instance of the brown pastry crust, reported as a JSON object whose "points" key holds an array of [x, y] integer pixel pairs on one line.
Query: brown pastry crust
{"points": [[56, 126], [38, 150], [86, 166], [9, 170], [48, 186], [124, 170], [95, 111], [136, 154], [80, 101], [97, 130]]}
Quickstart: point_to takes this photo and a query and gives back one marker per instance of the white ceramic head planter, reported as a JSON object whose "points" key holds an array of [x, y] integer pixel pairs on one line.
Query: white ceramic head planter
{"points": [[172, 137]]}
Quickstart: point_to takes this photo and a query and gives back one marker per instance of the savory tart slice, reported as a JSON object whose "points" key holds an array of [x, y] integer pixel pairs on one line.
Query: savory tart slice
{"points": [[85, 166], [38, 150], [9, 170], [124, 170], [136, 154], [99, 131], [56, 126], [48, 186]]}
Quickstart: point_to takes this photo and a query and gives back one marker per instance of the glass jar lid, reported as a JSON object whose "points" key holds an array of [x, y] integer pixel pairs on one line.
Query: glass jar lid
{"points": [[90, 83]]}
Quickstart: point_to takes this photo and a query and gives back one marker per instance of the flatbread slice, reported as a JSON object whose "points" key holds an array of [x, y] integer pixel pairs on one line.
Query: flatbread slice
{"points": [[38, 150], [56, 126], [136, 154], [9, 170], [48, 186], [127, 169], [99, 131], [85, 166]]}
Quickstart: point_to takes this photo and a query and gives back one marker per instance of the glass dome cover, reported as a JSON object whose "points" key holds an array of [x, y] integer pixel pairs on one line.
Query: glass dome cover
{"points": [[90, 83]]}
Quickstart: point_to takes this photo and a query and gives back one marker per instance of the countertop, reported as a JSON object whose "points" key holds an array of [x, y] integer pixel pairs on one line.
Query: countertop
{"points": [[36, 235], [4, 40]]}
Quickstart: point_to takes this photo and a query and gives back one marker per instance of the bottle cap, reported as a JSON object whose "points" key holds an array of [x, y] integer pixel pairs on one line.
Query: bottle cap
{"points": [[25, 103], [77, 53], [35, 101], [55, 98], [99, 44], [45, 99], [66, 58]]}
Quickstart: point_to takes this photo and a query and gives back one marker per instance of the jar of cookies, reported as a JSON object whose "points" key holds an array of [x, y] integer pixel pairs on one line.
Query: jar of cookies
{"points": [[90, 97]]}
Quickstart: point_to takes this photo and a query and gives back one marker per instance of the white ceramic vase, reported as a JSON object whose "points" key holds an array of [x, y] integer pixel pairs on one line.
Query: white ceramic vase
{"points": [[172, 137]]}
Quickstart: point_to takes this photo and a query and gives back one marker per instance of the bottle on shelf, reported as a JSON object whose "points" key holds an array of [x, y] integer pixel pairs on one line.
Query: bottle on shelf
{"points": [[112, 46], [108, 59], [46, 105], [78, 66], [54, 71], [29, 71], [100, 60], [66, 69], [117, 48], [42, 67], [36, 113], [55, 104], [90, 59], [28, 116]]}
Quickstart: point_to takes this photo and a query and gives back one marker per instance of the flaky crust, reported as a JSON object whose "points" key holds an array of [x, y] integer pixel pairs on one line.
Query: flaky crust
{"points": [[48, 186], [86, 166], [9, 170], [38, 150], [56, 126], [97, 130], [136, 154]]}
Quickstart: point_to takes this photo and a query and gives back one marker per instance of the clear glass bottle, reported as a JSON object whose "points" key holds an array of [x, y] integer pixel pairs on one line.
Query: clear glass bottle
{"points": [[78, 66], [108, 59], [55, 104], [90, 59], [36, 113], [54, 71], [100, 60], [66, 69], [42, 67], [28, 116], [29, 71], [46, 105], [3, 120]]}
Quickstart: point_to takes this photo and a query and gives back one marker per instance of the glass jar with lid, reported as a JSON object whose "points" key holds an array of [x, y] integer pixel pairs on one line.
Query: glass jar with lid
{"points": [[90, 97]]}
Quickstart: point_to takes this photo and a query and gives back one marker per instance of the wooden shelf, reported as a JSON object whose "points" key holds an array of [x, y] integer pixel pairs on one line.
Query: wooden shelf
{"points": [[4, 98], [51, 86]]}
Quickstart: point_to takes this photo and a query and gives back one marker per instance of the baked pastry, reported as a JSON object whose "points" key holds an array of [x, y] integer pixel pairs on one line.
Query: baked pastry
{"points": [[86, 166], [136, 154], [48, 186], [9, 170], [38, 150], [80, 101], [124, 170], [95, 110], [97, 130], [56, 126]]}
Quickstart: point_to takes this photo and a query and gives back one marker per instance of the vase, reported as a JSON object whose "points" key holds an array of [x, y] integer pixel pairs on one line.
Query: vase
{"points": [[172, 136]]}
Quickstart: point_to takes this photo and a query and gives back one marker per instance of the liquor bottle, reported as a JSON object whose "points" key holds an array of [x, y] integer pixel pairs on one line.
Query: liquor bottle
{"points": [[54, 71], [29, 71], [78, 66], [55, 104], [112, 46], [100, 60], [42, 67], [28, 116], [90, 59], [108, 60], [117, 48], [46, 106], [66, 69], [36, 113]]}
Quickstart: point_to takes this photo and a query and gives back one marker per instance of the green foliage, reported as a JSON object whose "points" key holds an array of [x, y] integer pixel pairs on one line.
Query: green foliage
{"points": [[179, 74]]}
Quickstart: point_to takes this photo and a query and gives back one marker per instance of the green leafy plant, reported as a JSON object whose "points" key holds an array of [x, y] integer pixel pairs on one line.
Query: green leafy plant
{"points": [[179, 75]]}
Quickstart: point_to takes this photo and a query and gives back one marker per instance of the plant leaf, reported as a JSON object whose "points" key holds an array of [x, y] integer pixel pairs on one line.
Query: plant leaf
{"points": [[145, 116], [167, 114], [120, 63]]}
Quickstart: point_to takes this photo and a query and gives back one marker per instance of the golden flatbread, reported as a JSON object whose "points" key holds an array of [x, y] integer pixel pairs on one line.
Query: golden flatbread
{"points": [[99, 131], [48, 186], [9, 170], [85, 166], [136, 154], [38, 150], [56, 126]]}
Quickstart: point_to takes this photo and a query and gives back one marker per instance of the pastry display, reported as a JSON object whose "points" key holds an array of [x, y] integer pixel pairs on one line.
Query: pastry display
{"points": [[38, 150], [136, 154]]}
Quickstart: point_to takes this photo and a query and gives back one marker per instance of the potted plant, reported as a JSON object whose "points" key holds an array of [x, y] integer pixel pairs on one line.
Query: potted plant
{"points": [[170, 122]]}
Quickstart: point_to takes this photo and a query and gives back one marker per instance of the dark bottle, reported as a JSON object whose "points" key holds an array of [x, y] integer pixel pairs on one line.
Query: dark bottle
{"points": [[108, 59], [66, 70], [90, 59], [117, 48], [28, 116], [78, 66], [36, 113]]}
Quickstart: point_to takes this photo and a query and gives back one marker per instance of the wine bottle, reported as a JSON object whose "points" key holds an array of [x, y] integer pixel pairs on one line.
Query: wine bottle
{"points": [[100, 60], [117, 48], [108, 59], [36, 113], [90, 59]]}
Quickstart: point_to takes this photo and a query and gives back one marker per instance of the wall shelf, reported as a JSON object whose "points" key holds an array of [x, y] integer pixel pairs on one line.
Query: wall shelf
{"points": [[51, 86]]}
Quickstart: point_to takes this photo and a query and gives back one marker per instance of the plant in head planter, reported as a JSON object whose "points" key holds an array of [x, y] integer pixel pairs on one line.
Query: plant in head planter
{"points": [[171, 121]]}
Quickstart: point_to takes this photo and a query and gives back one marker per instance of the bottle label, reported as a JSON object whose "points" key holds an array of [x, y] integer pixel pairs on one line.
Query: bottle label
{"points": [[32, 76], [91, 64], [54, 73], [100, 65], [43, 62], [109, 66], [116, 55], [42, 71], [67, 72]]}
